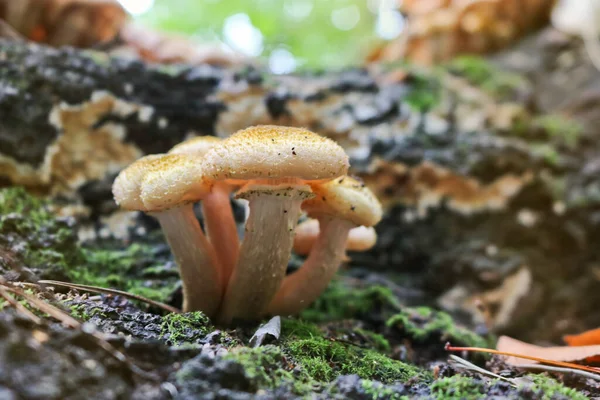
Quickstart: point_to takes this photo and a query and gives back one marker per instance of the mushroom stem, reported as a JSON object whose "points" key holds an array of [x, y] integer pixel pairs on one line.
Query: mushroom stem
{"points": [[195, 258], [304, 286], [221, 229], [265, 250]]}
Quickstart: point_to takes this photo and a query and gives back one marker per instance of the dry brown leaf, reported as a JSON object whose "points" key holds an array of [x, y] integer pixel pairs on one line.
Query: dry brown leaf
{"points": [[555, 353], [587, 338]]}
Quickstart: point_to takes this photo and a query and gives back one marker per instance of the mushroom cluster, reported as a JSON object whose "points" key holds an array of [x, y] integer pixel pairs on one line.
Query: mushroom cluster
{"points": [[280, 171]]}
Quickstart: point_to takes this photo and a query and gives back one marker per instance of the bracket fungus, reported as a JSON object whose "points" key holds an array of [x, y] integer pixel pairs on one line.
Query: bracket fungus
{"points": [[274, 164], [165, 186], [339, 205]]}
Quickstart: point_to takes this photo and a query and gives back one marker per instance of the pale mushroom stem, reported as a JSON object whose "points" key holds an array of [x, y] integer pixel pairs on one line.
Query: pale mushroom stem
{"points": [[304, 286], [221, 229], [195, 257], [264, 255]]}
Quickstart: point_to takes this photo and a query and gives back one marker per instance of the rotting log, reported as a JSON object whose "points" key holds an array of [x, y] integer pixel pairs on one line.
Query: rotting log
{"points": [[486, 201]]}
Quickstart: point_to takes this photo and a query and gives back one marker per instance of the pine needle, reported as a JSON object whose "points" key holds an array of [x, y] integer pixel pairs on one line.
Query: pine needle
{"points": [[116, 292], [448, 347]]}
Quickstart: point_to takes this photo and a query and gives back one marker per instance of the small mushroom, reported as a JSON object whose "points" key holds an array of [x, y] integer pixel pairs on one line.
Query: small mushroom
{"points": [[339, 206], [361, 238], [219, 221], [274, 164], [165, 186]]}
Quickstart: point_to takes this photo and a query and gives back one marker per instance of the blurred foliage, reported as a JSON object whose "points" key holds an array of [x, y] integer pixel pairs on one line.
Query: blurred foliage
{"points": [[303, 27]]}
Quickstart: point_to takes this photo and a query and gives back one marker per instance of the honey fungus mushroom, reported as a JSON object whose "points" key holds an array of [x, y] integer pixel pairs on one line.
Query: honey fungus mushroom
{"points": [[274, 164], [339, 206], [219, 221], [165, 187]]}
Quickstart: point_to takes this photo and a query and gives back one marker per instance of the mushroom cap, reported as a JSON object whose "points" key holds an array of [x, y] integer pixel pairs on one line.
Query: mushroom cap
{"points": [[361, 238], [127, 185], [345, 198], [173, 180], [274, 152], [197, 146]]}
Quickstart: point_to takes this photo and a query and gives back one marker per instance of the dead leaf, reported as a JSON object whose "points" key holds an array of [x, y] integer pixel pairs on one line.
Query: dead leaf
{"points": [[587, 338], [271, 328], [555, 353]]}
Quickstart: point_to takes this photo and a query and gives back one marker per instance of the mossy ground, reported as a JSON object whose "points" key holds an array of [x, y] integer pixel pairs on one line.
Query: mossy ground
{"points": [[312, 351], [49, 246]]}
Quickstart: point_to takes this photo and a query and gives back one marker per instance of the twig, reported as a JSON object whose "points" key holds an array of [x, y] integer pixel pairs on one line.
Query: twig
{"points": [[560, 369], [468, 365], [19, 307], [96, 289], [448, 347], [71, 322]]}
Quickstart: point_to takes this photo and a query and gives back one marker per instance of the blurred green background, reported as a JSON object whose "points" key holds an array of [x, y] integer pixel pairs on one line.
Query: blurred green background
{"points": [[286, 35]]}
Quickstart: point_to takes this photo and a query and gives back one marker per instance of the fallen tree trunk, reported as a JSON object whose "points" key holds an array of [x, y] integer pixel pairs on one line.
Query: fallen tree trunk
{"points": [[487, 201]]}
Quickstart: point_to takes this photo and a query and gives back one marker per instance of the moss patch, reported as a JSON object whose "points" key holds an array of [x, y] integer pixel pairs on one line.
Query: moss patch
{"points": [[185, 328], [548, 388], [458, 387], [48, 245], [424, 91], [379, 392], [483, 74], [268, 368], [559, 129], [422, 324], [340, 301], [324, 359]]}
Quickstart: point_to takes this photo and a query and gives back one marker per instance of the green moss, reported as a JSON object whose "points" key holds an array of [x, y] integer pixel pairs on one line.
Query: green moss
{"points": [[549, 387], [50, 245], [379, 392], [340, 301], [291, 327], [267, 368], [424, 91], [375, 340], [84, 312], [325, 359], [547, 152], [185, 328], [560, 129], [457, 387], [422, 324], [486, 76], [100, 58]]}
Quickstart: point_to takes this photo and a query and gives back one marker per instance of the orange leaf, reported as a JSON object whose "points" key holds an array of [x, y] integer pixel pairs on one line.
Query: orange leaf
{"points": [[586, 338], [556, 353]]}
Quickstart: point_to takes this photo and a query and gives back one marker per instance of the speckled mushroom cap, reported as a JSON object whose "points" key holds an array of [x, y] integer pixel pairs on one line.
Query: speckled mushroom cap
{"points": [[127, 186], [273, 152], [197, 146], [173, 180], [346, 198]]}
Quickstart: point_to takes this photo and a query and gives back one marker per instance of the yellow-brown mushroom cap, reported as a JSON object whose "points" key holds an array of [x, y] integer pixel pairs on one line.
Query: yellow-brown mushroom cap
{"points": [[273, 152], [345, 198], [197, 146], [173, 180], [127, 185]]}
